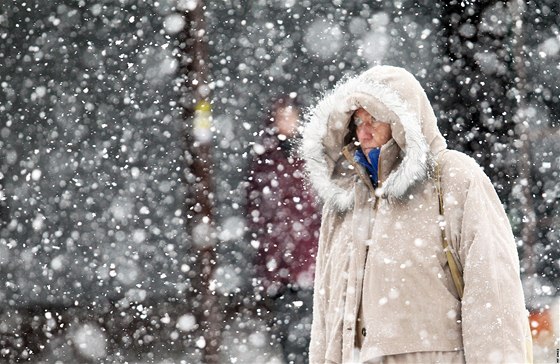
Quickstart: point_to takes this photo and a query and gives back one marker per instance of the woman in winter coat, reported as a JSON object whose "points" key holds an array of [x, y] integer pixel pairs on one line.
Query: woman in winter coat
{"points": [[284, 223], [384, 288]]}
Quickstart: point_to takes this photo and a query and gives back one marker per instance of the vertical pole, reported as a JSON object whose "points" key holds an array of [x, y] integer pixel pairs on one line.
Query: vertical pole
{"points": [[529, 223], [199, 206]]}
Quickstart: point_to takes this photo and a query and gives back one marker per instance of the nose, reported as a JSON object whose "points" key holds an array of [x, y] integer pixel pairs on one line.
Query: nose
{"points": [[363, 133]]}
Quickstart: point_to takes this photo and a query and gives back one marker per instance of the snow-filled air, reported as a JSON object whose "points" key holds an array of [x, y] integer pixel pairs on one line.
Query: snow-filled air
{"points": [[271, 181]]}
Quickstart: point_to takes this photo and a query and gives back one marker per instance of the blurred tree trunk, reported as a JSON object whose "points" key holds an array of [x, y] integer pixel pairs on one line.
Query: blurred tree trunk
{"points": [[475, 95], [524, 137], [199, 177]]}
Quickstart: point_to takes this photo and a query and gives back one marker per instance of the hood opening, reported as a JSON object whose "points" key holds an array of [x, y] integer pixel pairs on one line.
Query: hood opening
{"points": [[389, 94]]}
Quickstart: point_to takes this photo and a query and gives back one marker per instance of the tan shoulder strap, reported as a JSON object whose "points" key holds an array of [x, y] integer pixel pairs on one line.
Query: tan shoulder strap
{"points": [[454, 266]]}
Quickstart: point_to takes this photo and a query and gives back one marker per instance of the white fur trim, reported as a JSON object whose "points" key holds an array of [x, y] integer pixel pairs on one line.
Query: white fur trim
{"points": [[313, 152]]}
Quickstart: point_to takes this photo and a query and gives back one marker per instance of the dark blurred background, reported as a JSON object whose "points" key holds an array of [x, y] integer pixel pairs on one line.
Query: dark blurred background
{"points": [[127, 128]]}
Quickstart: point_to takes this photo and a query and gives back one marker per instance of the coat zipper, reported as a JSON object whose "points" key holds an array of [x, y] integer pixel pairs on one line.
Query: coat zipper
{"points": [[348, 155]]}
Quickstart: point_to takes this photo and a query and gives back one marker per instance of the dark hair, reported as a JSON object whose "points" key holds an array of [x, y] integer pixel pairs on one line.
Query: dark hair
{"points": [[351, 135]]}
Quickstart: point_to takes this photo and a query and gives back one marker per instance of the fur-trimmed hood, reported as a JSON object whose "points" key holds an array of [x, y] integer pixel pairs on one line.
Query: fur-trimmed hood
{"points": [[392, 95]]}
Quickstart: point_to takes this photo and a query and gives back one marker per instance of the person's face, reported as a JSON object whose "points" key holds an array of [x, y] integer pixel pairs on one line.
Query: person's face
{"points": [[286, 119], [370, 132]]}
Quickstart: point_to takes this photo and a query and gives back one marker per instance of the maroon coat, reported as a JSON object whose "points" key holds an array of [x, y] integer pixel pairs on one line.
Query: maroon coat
{"points": [[282, 217]]}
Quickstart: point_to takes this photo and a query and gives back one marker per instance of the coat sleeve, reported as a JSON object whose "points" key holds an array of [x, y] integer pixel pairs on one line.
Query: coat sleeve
{"points": [[494, 318]]}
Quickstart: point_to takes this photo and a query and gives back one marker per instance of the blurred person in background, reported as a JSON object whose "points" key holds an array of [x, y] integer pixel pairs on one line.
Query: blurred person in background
{"points": [[417, 262], [284, 225]]}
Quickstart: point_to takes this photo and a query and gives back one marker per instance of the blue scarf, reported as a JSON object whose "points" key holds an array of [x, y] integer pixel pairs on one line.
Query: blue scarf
{"points": [[371, 168]]}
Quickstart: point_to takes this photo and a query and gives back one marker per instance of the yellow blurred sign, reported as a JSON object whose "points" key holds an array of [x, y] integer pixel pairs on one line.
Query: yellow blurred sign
{"points": [[202, 123]]}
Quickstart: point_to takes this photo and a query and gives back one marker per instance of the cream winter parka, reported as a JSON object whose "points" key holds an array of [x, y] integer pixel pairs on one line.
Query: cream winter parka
{"points": [[384, 248]]}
